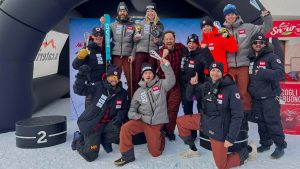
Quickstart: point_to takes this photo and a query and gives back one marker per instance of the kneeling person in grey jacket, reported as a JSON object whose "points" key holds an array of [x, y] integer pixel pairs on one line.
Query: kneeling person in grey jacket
{"points": [[148, 112]]}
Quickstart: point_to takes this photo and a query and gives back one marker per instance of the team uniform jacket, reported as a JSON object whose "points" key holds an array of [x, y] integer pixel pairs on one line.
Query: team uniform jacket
{"points": [[265, 83], [149, 101], [222, 114], [105, 103]]}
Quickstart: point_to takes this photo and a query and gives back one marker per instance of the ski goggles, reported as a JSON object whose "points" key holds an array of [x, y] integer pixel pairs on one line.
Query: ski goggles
{"points": [[260, 42], [112, 78]]}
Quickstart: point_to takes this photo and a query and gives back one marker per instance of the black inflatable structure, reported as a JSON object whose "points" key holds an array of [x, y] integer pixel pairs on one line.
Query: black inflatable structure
{"points": [[24, 25]]}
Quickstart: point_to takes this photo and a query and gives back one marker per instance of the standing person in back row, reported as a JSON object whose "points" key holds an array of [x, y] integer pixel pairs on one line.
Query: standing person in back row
{"points": [[266, 70], [173, 52], [123, 52], [147, 37], [238, 63]]}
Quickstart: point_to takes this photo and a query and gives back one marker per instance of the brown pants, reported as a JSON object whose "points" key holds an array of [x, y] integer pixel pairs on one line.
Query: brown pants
{"points": [[155, 142], [223, 160], [173, 103], [140, 58], [125, 66], [187, 123], [241, 75]]}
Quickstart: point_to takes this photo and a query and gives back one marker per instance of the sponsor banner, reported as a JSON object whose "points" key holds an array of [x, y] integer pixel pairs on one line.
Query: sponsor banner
{"points": [[285, 29], [290, 111], [46, 61]]}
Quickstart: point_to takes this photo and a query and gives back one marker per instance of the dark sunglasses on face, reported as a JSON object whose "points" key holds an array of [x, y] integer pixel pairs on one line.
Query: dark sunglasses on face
{"points": [[258, 42]]}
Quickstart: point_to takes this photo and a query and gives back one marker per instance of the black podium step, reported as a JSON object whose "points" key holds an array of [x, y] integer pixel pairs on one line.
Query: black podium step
{"points": [[38, 132]]}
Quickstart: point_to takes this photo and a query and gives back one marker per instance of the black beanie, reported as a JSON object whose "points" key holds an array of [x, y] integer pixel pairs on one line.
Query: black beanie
{"points": [[97, 31], [147, 67], [217, 65], [192, 38], [113, 70], [121, 6], [259, 36], [206, 21], [151, 5]]}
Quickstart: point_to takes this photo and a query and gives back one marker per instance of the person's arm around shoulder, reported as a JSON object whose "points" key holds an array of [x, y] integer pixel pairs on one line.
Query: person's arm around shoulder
{"points": [[170, 79]]}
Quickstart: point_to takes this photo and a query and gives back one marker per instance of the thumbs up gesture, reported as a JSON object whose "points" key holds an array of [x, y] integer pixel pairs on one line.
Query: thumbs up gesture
{"points": [[194, 80]]}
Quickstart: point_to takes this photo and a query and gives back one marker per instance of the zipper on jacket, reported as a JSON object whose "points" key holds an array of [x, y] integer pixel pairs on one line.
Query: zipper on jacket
{"points": [[149, 36], [235, 54], [121, 54], [150, 105]]}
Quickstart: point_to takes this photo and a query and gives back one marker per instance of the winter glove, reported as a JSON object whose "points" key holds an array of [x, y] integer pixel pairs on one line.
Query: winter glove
{"points": [[82, 53], [225, 33], [84, 70]]}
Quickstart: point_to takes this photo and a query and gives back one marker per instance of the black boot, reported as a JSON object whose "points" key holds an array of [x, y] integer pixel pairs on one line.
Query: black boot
{"points": [[265, 145], [171, 136], [77, 137], [278, 152], [107, 147], [244, 154], [127, 157]]}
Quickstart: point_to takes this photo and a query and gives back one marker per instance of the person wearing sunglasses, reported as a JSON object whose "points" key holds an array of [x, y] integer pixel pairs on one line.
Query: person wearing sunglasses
{"points": [[265, 71], [101, 122]]}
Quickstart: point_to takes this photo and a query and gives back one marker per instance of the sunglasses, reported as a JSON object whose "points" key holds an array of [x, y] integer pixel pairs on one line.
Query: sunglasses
{"points": [[258, 42]]}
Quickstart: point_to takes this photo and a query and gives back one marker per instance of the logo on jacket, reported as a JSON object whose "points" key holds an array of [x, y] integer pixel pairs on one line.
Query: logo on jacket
{"points": [[93, 147], [129, 28], [99, 58], [191, 63], [278, 61], [262, 64], [144, 97], [237, 95], [118, 104], [101, 101], [220, 98], [211, 46], [156, 90], [242, 33]]}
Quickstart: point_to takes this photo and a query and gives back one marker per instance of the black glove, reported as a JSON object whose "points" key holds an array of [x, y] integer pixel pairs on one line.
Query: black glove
{"points": [[84, 70], [117, 121]]}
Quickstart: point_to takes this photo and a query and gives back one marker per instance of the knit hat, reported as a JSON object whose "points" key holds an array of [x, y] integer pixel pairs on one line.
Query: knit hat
{"points": [[121, 6], [151, 5], [258, 37], [147, 67], [217, 65], [206, 21], [193, 38], [97, 31], [229, 8], [113, 70]]}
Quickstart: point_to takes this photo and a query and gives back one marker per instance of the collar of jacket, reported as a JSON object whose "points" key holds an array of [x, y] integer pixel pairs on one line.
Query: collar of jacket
{"points": [[239, 21], [110, 89], [144, 85], [263, 52], [125, 21]]}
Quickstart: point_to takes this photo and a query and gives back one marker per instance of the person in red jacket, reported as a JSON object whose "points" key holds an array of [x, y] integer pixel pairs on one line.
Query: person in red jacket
{"points": [[218, 41]]}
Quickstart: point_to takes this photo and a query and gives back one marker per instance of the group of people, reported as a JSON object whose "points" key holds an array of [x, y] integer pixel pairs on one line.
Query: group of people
{"points": [[233, 74]]}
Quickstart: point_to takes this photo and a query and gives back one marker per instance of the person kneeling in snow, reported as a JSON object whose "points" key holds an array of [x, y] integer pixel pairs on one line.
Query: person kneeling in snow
{"points": [[221, 117], [148, 112], [101, 121]]}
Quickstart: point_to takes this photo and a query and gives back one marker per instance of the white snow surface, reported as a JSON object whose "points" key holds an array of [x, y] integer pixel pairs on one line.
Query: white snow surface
{"points": [[62, 157]]}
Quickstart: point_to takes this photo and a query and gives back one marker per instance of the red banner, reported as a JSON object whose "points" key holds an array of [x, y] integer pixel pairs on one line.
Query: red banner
{"points": [[285, 29], [290, 111]]}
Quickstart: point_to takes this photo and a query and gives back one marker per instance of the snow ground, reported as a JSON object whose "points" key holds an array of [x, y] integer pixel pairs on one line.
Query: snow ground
{"points": [[62, 157]]}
